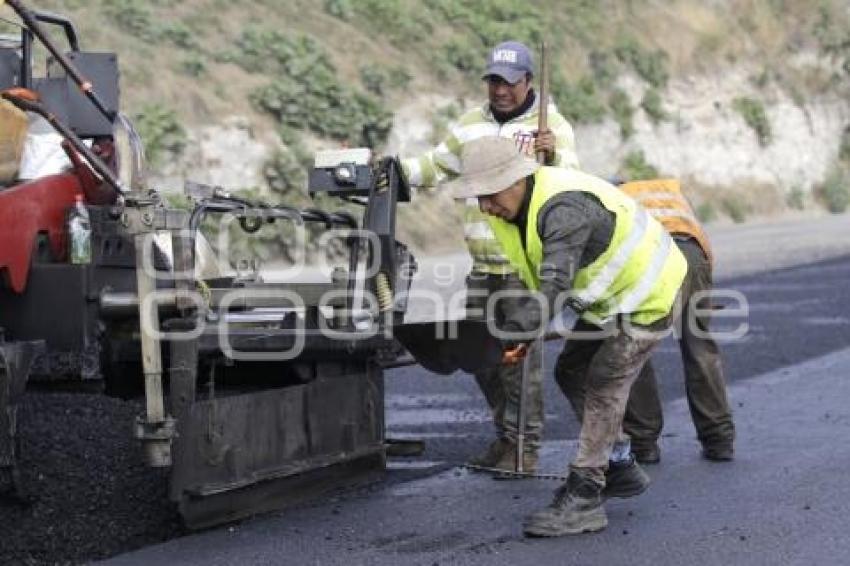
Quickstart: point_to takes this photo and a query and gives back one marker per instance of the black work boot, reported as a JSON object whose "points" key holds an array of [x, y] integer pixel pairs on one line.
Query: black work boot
{"points": [[648, 453], [625, 479], [718, 452], [577, 508]]}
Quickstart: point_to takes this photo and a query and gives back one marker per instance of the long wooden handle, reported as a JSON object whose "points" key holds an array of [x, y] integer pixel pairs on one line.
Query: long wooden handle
{"points": [[543, 105]]}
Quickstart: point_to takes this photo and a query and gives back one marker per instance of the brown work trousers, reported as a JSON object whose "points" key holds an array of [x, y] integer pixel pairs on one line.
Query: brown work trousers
{"points": [[704, 383], [501, 386], [595, 371]]}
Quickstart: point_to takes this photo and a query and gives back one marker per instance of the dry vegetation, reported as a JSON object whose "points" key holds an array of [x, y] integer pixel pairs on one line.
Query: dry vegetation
{"points": [[159, 40], [183, 56]]}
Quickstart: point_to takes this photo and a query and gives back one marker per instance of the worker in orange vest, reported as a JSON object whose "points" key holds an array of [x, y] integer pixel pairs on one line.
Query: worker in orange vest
{"points": [[704, 383]]}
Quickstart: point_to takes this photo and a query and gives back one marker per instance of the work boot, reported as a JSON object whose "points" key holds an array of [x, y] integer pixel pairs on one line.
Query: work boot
{"points": [[494, 453], [719, 452], [508, 461], [646, 453], [577, 508], [625, 479]]}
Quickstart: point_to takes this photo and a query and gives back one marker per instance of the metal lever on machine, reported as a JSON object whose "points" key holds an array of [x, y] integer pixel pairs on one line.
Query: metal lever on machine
{"points": [[31, 20]]}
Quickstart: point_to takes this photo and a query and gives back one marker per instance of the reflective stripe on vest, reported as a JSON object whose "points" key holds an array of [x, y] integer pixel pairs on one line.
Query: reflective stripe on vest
{"points": [[601, 282], [640, 272], [663, 199], [485, 249]]}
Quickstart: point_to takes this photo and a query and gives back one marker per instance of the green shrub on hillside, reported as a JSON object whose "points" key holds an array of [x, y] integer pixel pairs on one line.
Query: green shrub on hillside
{"points": [[651, 66], [193, 65], [374, 79], [307, 93], [161, 132], [621, 109], [495, 21], [830, 30], [796, 198], [735, 207], [653, 106], [463, 56], [580, 102], [706, 212], [752, 111], [636, 168], [276, 52], [341, 9], [835, 191], [401, 21], [285, 174], [133, 17], [178, 34], [603, 67], [844, 147], [380, 80], [327, 108], [137, 19]]}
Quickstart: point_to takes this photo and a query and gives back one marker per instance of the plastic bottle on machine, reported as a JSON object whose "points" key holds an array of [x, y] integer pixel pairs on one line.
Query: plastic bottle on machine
{"points": [[79, 232]]}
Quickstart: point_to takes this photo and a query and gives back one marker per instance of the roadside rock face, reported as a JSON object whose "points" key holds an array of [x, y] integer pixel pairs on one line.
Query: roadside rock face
{"points": [[706, 140], [230, 154], [412, 131]]}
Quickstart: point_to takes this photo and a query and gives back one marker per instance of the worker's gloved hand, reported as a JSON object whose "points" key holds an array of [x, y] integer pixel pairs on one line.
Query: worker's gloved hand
{"points": [[544, 140], [514, 355]]}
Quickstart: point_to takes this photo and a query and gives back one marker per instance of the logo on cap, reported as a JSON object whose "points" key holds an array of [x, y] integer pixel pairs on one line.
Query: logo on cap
{"points": [[504, 56]]}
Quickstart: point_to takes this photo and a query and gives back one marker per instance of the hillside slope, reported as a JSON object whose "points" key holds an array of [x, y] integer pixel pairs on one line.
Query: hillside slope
{"points": [[746, 100]]}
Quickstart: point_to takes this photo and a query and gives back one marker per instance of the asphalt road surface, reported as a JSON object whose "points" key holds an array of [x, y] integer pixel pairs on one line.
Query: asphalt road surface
{"points": [[783, 500]]}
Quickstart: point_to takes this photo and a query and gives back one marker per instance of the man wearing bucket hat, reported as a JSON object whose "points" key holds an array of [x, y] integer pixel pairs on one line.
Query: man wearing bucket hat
{"points": [[577, 241], [511, 112]]}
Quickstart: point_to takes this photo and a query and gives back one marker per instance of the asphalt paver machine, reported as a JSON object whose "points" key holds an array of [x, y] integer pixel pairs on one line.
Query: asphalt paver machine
{"points": [[256, 394]]}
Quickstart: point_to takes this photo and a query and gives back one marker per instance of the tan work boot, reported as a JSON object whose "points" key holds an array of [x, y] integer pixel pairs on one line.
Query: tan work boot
{"points": [[508, 460], [577, 508], [501, 455], [493, 454]]}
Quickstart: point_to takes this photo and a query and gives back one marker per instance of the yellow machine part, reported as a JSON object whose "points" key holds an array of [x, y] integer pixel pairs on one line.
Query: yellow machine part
{"points": [[13, 132]]}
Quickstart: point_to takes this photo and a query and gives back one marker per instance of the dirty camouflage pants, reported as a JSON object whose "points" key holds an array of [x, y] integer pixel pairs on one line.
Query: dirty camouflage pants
{"points": [[501, 386], [704, 384], [595, 371]]}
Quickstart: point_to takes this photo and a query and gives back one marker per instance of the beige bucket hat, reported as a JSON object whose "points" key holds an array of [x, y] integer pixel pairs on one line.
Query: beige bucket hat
{"points": [[489, 165]]}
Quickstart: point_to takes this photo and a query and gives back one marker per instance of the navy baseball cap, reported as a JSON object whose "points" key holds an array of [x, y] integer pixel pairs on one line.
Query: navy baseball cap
{"points": [[511, 61]]}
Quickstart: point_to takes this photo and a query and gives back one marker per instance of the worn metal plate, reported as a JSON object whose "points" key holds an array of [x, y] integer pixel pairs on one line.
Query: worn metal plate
{"points": [[235, 456]]}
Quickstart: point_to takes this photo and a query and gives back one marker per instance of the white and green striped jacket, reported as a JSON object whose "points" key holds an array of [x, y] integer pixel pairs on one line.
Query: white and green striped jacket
{"points": [[443, 163]]}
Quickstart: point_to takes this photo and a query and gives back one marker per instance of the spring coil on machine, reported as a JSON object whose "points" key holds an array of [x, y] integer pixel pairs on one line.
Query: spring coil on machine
{"points": [[384, 292], [382, 182]]}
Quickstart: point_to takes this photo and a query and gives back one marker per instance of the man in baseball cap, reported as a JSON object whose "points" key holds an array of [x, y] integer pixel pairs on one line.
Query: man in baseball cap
{"points": [[510, 68], [510, 60], [577, 241]]}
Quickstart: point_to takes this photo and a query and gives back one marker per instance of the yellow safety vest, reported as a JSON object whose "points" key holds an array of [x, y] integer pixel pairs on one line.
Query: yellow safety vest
{"points": [[664, 200], [638, 275]]}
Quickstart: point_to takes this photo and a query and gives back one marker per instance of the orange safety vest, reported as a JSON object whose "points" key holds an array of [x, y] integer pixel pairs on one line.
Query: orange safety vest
{"points": [[664, 200]]}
